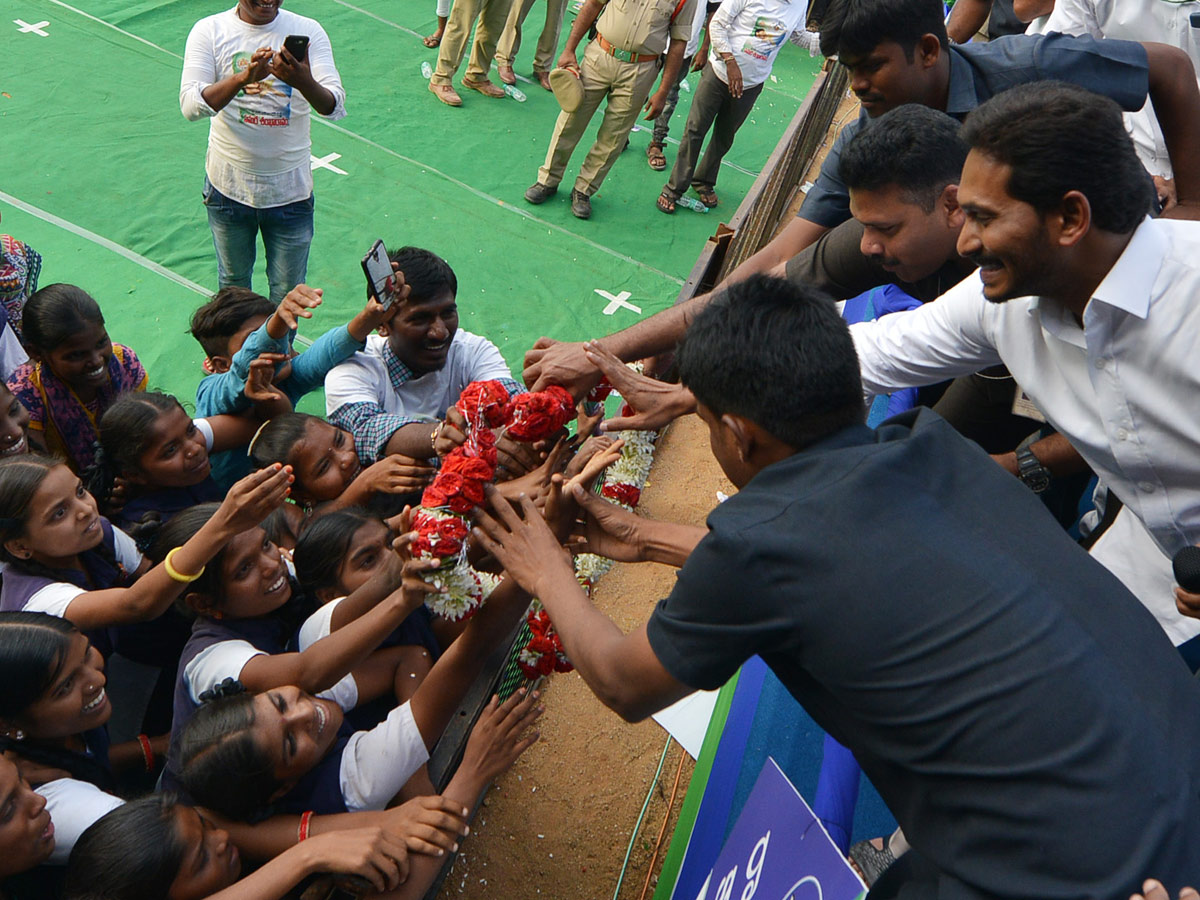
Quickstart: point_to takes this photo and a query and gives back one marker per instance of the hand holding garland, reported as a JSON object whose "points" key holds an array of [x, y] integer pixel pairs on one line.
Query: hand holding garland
{"points": [[621, 669]]}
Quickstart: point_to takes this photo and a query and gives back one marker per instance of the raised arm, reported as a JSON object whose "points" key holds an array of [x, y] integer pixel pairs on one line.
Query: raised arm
{"points": [[322, 664], [249, 502]]}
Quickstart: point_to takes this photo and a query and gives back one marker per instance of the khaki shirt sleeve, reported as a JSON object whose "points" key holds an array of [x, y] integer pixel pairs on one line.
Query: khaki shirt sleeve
{"points": [[681, 28]]}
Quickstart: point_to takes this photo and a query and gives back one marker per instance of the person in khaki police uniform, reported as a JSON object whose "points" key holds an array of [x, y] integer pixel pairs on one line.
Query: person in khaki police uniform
{"points": [[492, 14], [620, 64], [510, 41]]}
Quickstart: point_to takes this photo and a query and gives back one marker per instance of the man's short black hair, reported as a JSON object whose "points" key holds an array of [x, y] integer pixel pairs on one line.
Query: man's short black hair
{"points": [[1059, 137], [855, 27], [777, 354], [426, 273], [914, 147], [225, 315]]}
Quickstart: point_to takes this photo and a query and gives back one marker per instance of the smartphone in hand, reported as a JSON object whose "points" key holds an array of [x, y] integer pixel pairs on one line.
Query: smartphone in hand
{"points": [[378, 269], [297, 45]]}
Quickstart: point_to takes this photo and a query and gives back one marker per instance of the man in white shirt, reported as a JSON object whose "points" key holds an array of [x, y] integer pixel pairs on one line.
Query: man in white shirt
{"points": [[1091, 306], [746, 36], [393, 395], [259, 96]]}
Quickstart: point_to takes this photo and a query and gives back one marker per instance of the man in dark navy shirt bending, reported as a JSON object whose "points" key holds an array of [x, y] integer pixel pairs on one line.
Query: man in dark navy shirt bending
{"points": [[1021, 713]]}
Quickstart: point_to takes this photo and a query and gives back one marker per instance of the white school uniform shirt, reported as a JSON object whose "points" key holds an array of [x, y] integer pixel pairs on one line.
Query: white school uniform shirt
{"points": [[1124, 388], [226, 659], [54, 598], [378, 762], [74, 806], [753, 31], [364, 378], [1158, 21], [259, 146]]}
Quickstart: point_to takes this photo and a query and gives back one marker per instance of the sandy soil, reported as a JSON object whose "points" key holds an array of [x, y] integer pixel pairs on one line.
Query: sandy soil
{"points": [[559, 823]]}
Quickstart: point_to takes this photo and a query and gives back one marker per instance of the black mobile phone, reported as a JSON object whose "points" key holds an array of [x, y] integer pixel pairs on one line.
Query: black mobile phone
{"points": [[297, 45], [378, 269]]}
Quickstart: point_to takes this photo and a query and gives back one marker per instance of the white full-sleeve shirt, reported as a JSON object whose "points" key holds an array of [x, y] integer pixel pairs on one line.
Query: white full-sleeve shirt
{"points": [[1123, 387], [259, 145], [753, 31]]}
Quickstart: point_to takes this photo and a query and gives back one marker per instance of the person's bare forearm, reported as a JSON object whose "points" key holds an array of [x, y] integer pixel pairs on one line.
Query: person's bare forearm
{"points": [[1176, 99], [966, 18], [587, 16], [1053, 451], [1028, 10], [591, 640], [414, 440], [670, 543], [670, 70]]}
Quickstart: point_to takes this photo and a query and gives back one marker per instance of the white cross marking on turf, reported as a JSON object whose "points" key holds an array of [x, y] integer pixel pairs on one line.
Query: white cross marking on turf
{"points": [[326, 162], [617, 302], [25, 28]]}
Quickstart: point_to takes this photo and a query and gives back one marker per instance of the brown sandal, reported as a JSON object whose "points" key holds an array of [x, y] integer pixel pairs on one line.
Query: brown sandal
{"points": [[655, 156], [432, 40], [707, 196], [666, 202]]}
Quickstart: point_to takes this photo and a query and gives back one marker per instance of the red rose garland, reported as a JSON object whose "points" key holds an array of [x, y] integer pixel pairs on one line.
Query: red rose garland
{"points": [[440, 522]]}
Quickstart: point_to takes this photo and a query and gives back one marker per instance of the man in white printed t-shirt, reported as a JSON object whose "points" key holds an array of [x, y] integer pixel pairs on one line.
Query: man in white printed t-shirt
{"points": [[745, 36], [393, 395], [259, 95]]}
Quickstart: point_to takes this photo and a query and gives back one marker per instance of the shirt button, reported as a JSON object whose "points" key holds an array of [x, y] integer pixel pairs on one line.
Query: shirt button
{"points": [[1101, 363], [1122, 434], [1146, 487]]}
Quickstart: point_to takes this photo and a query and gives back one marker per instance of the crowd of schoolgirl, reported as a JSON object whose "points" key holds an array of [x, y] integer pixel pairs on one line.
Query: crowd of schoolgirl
{"points": [[256, 561]]}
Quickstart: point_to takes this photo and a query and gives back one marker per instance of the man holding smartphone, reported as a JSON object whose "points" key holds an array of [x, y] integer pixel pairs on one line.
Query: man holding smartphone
{"points": [[259, 95]]}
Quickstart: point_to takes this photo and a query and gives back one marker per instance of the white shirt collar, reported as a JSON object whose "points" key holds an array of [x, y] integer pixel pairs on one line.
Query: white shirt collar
{"points": [[1129, 283]]}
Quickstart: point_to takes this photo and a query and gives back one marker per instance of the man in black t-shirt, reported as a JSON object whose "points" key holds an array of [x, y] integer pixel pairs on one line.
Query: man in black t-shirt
{"points": [[1023, 716]]}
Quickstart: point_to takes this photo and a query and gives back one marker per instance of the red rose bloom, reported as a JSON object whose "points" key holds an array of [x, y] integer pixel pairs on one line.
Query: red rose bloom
{"points": [[537, 416], [622, 493], [469, 467], [484, 402]]}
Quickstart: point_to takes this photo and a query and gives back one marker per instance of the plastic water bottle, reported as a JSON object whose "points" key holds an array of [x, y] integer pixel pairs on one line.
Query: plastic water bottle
{"points": [[692, 204], [515, 92], [684, 86], [427, 70]]}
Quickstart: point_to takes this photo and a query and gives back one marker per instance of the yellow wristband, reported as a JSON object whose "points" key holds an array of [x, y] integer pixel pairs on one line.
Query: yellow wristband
{"points": [[177, 575]]}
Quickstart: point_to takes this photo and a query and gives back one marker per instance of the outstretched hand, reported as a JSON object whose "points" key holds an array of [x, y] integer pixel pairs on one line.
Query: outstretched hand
{"points": [[522, 542], [372, 853], [554, 362], [431, 824], [607, 529], [255, 497], [655, 403], [297, 304], [496, 740]]}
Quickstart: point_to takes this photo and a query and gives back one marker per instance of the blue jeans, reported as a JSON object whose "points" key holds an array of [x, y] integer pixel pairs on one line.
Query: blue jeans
{"points": [[287, 232]]}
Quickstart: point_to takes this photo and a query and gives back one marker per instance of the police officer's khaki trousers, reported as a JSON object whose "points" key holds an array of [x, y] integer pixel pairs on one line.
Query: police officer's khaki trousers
{"points": [[626, 85], [547, 46], [492, 15]]}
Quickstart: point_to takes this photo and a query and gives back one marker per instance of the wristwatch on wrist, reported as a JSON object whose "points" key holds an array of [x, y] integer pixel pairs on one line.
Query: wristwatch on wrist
{"points": [[1031, 471]]}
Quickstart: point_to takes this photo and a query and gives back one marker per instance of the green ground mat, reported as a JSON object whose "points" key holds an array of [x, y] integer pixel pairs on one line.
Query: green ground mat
{"points": [[102, 175]]}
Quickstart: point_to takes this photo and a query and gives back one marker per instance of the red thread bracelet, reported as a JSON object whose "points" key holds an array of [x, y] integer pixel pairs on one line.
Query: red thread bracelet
{"points": [[302, 829], [147, 752]]}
